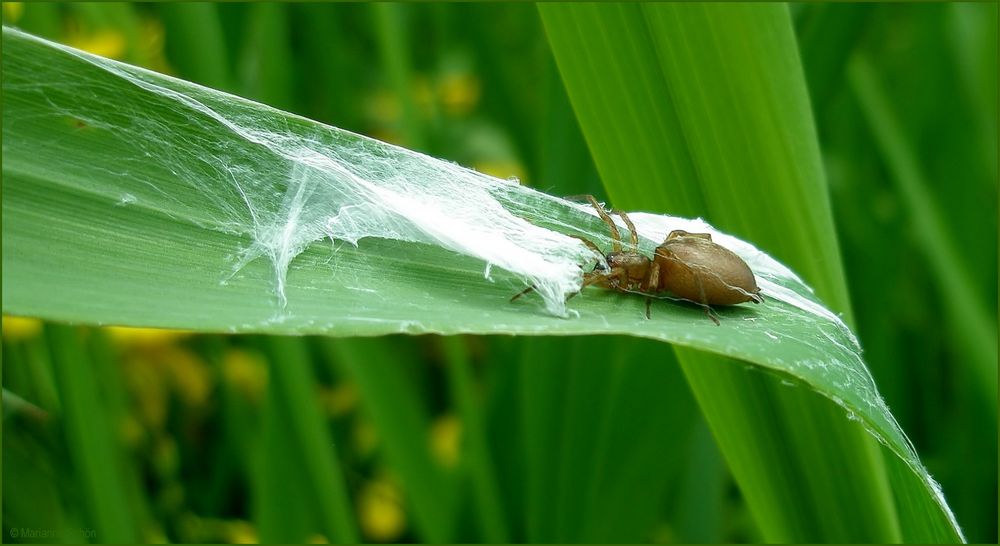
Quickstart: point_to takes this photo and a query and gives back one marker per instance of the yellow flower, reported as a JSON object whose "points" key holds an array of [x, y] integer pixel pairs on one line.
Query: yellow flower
{"points": [[189, 375], [380, 511], [504, 168], [459, 93], [105, 42], [446, 439], [241, 532], [247, 372], [144, 337], [340, 399], [12, 11], [20, 328]]}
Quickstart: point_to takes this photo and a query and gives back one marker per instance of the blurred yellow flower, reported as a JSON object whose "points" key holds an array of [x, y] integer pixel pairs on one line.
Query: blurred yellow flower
{"points": [[240, 532], [245, 371], [149, 391], [189, 374], [459, 93], [340, 399], [380, 511], [105, 42], [12, 11], [446, 440], [504, 168], [144, 337], [20, 328]]}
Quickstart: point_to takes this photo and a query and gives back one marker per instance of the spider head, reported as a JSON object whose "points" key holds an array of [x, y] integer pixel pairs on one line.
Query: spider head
{"points": [[633, 265]]}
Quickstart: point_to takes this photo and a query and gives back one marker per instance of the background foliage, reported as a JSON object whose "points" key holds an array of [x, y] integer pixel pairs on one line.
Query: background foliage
{"points": [[151, 435]]}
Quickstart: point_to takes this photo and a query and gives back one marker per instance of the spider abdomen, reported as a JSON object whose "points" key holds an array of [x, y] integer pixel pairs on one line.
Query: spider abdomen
{"points": [[697, 269]]}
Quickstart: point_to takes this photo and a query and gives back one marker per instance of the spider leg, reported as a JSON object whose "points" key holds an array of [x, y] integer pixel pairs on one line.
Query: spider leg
{"points": [[590, 244], [711, 314], [524, 292], [616, 238], [596, 277], [588, 279], [701, 290], [634, 235], [653, 281], [681, 233]]}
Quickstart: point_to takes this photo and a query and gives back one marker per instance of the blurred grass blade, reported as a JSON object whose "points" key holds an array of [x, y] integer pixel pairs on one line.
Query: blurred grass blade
{"points": [[92, 440], [703, 109], [393, 402], [827, 38], [968, 316], [701, 496], [477, 457], [299, 459], [196, 45], [637, 411], [388, 20], [266, 62]]}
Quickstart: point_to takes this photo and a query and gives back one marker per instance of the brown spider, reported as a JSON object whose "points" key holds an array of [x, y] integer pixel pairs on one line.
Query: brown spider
{"points": [[689, 265]]}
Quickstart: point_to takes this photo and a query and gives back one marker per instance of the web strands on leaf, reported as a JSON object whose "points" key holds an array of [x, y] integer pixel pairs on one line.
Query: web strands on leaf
{"points": [[286, 191]]}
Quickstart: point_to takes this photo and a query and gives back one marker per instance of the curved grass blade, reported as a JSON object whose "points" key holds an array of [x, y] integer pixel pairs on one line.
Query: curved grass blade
{"points": [[125, 202]]}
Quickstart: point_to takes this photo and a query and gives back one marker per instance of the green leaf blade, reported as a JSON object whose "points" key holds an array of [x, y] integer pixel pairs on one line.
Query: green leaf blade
{"points": [[112, 217]]}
